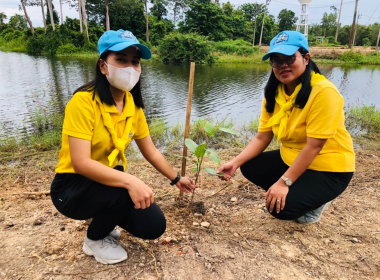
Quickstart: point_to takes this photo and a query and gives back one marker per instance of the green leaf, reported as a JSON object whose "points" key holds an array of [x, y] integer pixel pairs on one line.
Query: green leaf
{"points": [[191, 145], [212, 171], [200, 151], [229, 130], [210, 129], [212, 155], [194, 169]]}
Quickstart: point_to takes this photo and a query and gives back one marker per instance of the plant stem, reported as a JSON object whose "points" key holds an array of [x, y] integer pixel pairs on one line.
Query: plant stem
{"points": [[199, 166]]}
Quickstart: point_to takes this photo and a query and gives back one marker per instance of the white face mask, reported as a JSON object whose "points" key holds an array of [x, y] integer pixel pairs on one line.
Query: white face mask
{"points": [[122, 78]]}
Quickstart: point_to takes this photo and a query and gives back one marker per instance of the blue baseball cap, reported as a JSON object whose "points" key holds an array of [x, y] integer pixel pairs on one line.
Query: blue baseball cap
{"points": [[287, 43], [119, 40]]}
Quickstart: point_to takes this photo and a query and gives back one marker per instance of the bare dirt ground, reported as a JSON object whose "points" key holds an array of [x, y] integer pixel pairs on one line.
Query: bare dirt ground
{"points": [[240, 242], [332, 52]]}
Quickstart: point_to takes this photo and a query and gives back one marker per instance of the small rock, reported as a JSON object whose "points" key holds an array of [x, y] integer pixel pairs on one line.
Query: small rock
{"points": [[236, 235], [234, 199], [141, 265], [205, 224], [168, 239], [195, 224], [198, 214]]}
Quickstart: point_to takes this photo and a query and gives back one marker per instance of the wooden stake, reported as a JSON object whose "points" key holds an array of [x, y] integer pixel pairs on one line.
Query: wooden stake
{"points": [[187, 125]]}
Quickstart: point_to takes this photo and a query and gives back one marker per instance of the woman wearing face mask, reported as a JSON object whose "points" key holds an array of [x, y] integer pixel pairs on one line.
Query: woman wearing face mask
{"points": [[304, 111], [100, 120]]}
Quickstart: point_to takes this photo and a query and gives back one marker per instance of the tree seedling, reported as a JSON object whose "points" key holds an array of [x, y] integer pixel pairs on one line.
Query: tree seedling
{"points": [[201, 151]]}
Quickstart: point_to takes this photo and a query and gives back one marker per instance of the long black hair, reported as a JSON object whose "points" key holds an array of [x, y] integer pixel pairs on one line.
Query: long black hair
{"points": [[101, 86], [270, 89]]}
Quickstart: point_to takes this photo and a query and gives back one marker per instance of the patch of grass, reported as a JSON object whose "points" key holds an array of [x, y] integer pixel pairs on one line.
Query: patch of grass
{"points": [[15, 45], [158, 131], [363, 119], [233, 58]]}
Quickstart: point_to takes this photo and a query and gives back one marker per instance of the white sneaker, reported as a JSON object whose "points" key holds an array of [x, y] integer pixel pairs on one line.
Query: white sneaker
{"points": [[313, 216], [106, 250], [115, 234]]}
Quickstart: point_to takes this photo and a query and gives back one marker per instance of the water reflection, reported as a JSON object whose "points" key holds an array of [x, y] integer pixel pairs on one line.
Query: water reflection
{"points": [[29, 83]]}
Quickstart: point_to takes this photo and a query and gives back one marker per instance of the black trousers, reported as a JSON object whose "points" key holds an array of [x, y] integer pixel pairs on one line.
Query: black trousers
{"points": [[80, 198], [311, 190]]}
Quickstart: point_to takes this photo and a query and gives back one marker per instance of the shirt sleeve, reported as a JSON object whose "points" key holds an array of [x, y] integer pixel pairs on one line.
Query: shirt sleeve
{"points": [[142, 129], [325, 114], [264, 118], [79, 117]]}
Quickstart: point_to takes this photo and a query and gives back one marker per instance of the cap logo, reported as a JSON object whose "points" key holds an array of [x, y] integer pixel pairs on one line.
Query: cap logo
{"points": [[281, 39], [127, 35]]}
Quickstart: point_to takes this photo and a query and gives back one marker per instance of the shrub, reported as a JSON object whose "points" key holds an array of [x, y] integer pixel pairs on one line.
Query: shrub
{"points": [[91, 47], [239, 47], [35, 45], [330, 39], [182, 48], [67, 49], [353, 56]]}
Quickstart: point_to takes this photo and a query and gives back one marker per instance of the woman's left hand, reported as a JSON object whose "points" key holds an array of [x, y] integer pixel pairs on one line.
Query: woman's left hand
{"points": [[276, 196], [186, 184]]}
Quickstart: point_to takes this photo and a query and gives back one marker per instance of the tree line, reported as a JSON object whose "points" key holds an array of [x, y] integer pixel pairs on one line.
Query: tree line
{"points": [[205, 19]]}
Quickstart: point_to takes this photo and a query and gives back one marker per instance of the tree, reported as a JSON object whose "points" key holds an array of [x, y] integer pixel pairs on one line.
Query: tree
{"points": [[178, 6], [286, 20], [26, 16], [2, 17], [55, 15], [18, 22], [43, 14], [228, 9], [159, 10], [251, 12], [328, 23], [50, 9], [207, 19]]}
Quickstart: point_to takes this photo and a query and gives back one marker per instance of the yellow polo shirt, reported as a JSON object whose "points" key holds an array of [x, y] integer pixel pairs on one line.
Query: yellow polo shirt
{"points": [[323, 118], [83, 119]]}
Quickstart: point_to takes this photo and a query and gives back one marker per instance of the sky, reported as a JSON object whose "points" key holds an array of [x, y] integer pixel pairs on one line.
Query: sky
{"points": [[368, 9]]}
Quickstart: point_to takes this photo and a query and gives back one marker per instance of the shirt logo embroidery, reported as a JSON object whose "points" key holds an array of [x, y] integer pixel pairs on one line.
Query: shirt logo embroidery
{"points": [[127, 35], [130, 134], [281, 39]]}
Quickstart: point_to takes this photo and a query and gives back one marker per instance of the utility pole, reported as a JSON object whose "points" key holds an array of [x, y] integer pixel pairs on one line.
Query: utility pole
{"points": [[262, 25], [337, 27], [353, 26], [377, 42], [356, 27]]}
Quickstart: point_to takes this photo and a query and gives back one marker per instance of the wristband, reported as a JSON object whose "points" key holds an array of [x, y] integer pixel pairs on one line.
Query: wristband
{"points": [[176, 179]]}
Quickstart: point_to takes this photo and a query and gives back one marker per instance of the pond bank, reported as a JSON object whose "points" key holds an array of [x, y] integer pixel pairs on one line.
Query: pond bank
{"points": [[39, 243]]}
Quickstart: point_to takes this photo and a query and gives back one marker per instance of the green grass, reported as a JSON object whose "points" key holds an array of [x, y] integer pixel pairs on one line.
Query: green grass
{"points": [[363, 119], [15, 45], [47, 126]]}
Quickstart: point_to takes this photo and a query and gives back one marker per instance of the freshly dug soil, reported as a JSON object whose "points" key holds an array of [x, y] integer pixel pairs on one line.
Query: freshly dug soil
{"points": [[228, 235]]}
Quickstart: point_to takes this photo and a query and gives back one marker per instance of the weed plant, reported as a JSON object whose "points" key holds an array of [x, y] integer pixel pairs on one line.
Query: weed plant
{"points": [[363, 119]]}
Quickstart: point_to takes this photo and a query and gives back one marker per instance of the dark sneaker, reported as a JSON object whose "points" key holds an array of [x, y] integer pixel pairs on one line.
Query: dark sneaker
{"points": [[106, 250], [115, 234], [313, 216]]}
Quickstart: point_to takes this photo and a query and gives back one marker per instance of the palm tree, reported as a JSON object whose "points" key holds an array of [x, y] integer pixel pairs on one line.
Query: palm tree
{"points": [[50, 7], [60, 3], [43, 14], [27, 17], [84, 16]]}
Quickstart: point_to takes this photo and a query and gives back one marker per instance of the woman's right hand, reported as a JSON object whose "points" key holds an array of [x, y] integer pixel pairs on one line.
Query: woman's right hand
{"points": [[228, 169], [140, 193]]}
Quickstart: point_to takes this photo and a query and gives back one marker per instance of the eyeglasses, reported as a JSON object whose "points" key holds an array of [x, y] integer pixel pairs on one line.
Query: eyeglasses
{"points": [[276, 62]]}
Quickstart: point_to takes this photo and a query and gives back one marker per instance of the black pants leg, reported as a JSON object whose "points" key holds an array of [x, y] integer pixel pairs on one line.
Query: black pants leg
{"points": [[311, 190], [80, 198]]}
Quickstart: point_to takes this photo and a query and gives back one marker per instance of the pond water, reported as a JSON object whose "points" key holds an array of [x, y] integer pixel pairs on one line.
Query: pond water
{"points": [[30, 83]]}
